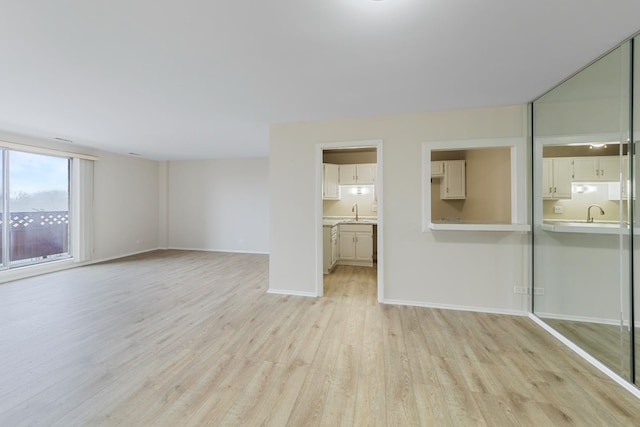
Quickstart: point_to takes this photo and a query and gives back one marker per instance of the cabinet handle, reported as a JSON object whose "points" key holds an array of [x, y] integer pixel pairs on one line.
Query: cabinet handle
{"points": [[550, 189], [555, 189], [601, 172]]}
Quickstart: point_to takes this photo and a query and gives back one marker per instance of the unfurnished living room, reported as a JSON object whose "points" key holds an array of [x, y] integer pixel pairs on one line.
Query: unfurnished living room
{"points": [[340, 212]]}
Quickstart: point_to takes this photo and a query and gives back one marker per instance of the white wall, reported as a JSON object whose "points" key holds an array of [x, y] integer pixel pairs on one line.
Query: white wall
{"points": [[126, 201], [220, 205], [475, 270]]}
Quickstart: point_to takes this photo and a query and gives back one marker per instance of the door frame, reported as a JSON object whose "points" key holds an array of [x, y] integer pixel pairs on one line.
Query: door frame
{"points": [[320, 147]]}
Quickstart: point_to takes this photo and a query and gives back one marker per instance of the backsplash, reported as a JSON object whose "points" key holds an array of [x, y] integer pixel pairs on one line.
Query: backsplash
{"points": [[342, 207], [576, 207]]}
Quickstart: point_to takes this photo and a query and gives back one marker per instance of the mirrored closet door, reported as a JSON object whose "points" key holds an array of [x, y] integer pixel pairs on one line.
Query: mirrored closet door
{"points": [[584, 209]]}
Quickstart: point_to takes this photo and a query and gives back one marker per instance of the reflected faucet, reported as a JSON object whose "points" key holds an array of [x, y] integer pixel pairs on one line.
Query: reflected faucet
{"points": [[355, 209], [589, 217]]}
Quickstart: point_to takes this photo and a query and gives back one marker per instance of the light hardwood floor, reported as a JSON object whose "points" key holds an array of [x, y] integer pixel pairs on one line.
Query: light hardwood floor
{"points": [[177, 338]]}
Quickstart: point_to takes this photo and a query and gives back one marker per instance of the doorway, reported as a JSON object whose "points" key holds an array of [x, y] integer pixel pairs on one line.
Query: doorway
{"points": [[351, 208]]}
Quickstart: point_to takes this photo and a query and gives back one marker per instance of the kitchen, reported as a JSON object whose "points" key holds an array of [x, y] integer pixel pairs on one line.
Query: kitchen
{"points": [[350, 208], [583, 189]]}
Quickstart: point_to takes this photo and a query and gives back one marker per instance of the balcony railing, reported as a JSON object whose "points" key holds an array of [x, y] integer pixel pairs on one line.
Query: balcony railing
{"points": [[37, 236]]}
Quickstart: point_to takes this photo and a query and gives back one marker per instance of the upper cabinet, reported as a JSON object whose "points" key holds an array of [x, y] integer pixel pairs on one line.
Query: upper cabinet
{"points": [[596, 168], [437, 169], [453, 185], [358, 174], [330, 176], [556, 178]]}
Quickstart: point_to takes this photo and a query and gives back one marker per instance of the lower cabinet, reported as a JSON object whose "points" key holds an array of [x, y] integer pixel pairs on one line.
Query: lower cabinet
{"points": [[356, 244], [330, 248]]}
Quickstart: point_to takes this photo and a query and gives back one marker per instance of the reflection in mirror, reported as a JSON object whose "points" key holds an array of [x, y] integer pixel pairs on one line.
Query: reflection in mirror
{"points": [[471, 186], [580, 209]]}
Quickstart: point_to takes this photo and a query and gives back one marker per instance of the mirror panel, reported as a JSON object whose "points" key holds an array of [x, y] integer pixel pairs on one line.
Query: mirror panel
{"points": [[635, 207], [580, 210]]}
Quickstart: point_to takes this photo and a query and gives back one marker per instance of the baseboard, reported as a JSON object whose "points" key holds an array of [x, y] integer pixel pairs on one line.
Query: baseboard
{"points": [[456, 307], [586, 356], [96, 261], [231, 251], [292, 293], [596, 320], [582, 319]]}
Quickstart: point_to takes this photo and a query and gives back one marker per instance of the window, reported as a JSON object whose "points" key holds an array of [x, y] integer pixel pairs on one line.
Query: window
{"points": [[474, 185], [36, 196]]}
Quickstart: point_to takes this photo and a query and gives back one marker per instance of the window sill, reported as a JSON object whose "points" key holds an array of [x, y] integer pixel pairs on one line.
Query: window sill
{"points": [[455, 226]]}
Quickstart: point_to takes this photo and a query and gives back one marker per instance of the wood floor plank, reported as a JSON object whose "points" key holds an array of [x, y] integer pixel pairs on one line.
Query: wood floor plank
{"points": [[186, 338]]}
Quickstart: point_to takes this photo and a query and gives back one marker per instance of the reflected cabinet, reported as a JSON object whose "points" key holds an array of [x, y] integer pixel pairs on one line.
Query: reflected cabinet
{"points": [[585, 228]]}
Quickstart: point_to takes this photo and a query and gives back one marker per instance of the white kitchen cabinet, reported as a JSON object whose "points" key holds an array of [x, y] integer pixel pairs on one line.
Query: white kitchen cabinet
{"points": [[453, 185], [556, 177], [437, 169], [335, 248], [366, 173], [615, 186], [358, 174], [594, 168], [330, 177], [356, 244], [330, 248]]}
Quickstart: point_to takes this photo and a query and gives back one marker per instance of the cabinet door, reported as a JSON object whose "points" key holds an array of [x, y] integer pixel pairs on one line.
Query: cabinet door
{"points": [[330, 189], [453, 184], [366, 173], [547, 178], [562, 171], [585, 169], [348, 175], [326, 249], [364, 246], [347, 245], [609, 168], [437, 169], [334, 249]]}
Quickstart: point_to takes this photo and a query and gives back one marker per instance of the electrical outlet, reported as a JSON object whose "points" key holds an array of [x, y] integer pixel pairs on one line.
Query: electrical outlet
{"points": [[520, 290], [558, 209], [538, 291]]}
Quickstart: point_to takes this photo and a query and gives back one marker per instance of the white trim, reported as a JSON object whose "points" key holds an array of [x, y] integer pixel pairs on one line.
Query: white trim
{"points": [[583, 319], [521, 228], [586, 356], [41, 150], [320, 147], [518, 163], [97, 261], [458, 307], [292, 293], [231, 251]]}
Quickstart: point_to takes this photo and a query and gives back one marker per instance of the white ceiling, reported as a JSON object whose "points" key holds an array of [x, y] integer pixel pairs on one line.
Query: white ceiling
{"points": [[204, 78]]}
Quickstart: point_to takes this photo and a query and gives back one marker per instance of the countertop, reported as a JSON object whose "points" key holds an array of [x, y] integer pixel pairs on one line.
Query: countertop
{"points": [[331, 221], [582, 226], [462, 225]]}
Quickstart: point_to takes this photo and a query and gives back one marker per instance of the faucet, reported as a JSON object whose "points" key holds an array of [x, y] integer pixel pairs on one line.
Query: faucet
{"points": [[355, 209], [589, 217]]}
